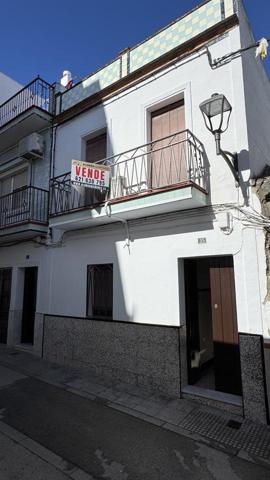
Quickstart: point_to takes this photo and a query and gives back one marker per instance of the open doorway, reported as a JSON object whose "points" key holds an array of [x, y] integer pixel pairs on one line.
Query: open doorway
{"points": [[5, 291], [212, 334], [29, 304]]}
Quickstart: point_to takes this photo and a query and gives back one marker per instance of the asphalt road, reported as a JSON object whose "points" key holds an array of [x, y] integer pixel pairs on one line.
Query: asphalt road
{"points": [[104, 442]]}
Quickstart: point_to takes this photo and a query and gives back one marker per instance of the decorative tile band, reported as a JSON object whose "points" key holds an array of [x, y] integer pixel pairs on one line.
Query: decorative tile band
{"points": [[229, 8], [91, 85], [167, 39], [176, 34]]}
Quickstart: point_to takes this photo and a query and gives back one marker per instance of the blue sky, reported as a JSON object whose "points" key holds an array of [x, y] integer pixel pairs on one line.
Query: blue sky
{"points": [[53, 35]]}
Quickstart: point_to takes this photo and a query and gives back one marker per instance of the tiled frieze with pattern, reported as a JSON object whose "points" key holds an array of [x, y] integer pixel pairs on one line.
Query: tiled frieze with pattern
{"points": [[229, 8], [182, 30], [91, 85]]}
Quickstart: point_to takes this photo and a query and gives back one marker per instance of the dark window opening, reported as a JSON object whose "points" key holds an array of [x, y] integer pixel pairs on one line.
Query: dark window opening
{"points": [[96, 151]]}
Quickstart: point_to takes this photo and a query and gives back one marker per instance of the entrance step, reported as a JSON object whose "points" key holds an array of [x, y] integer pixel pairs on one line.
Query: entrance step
{"points": [[226, 402]]}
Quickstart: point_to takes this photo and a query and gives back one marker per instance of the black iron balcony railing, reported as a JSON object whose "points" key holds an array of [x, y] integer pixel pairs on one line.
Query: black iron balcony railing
{"points": [[38, 93], [27, 204], [156, 166]]}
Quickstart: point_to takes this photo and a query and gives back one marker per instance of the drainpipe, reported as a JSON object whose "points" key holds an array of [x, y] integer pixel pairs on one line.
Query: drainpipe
{"points": [[108, 212]]}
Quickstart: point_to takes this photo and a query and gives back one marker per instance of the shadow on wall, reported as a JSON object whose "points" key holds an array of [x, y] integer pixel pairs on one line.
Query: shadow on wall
{"points": [[206, 175], [177, 223], [244, 165]]}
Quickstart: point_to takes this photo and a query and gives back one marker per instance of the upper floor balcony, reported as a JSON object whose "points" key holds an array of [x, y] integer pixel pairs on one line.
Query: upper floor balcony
{"points": [[161, 176], [27, 111], [23, 214]]}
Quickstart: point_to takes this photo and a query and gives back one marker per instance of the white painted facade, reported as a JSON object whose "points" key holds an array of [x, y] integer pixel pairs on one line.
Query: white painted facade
{"points": [[148, 275], [126, 119], [150, 293]]}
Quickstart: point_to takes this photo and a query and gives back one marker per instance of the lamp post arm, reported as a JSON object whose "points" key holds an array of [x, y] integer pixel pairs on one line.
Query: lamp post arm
{"points": [[231, 166], [232, 163]]}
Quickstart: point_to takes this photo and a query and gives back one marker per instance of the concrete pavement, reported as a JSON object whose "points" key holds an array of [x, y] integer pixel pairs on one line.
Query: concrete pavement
{"points": [[85, 426], [22, 459]]}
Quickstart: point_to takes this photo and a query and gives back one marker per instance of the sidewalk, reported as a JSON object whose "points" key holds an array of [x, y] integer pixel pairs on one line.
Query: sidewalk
{"points": [[223, 431]]}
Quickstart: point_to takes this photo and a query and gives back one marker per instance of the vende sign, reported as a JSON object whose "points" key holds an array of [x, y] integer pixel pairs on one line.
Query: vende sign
{"points": [[91, 175]]}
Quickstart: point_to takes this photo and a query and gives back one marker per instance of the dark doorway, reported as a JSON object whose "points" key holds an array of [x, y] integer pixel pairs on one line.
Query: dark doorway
{"points": [[212, 332], [5, 290], [29, 304], [96, 150]]}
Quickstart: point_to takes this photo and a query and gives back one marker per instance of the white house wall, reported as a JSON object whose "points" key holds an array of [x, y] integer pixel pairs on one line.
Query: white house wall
{"points": [[146, 279], [153, 258], [125, 116]]}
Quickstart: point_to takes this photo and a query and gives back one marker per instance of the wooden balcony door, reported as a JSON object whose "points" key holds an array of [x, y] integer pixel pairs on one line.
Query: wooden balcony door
{"points": [[5, 290], [168, 157]]}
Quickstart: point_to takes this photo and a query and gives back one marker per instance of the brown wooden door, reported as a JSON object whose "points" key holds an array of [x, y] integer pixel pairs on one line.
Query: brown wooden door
{"points": [[5, 290], [224, 326], [96, 150], [29, 304], [168, 157]]}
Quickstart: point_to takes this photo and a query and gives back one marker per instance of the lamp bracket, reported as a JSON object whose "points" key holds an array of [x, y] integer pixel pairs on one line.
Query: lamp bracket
{"points": [[230, 158]]}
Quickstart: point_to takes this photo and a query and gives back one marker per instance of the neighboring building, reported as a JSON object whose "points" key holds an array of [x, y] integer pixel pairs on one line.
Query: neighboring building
{"points": [[8, 87], [161, 282], [25, 136]]}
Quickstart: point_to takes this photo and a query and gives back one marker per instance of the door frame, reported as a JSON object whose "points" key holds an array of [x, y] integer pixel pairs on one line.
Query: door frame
{"points": [[185, 371]]}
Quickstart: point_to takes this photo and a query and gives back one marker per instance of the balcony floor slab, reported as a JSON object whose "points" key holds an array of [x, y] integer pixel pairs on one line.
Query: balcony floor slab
{"points": [[128, 209], [18, 233], [32, 120]]}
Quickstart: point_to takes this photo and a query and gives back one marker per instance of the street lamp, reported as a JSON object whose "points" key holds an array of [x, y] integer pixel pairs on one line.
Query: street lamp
{"points": [[216, 113]]}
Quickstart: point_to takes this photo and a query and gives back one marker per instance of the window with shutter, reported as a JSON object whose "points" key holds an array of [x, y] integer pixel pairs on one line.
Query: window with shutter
{"points": [[20, 197], [13, 182], [16, 185]]}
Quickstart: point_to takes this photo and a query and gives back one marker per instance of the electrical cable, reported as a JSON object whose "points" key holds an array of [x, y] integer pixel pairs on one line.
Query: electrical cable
{"points": [[229, 56]]}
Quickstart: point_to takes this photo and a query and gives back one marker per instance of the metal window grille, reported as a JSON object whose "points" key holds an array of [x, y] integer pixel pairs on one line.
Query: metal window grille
{"points": [[100, 290]]}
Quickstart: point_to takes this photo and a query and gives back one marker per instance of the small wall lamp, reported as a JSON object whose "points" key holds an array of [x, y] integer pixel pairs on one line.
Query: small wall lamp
{"points": [[216, 113]]}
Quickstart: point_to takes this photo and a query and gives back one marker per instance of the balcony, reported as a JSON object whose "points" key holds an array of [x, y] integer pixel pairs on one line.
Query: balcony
{"points": [[165, 175], [23, 214], [29, 110]]}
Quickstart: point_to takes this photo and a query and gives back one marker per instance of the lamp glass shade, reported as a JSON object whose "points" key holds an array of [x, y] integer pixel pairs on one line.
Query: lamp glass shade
{"points": [[216, 113], [216, 105]]}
